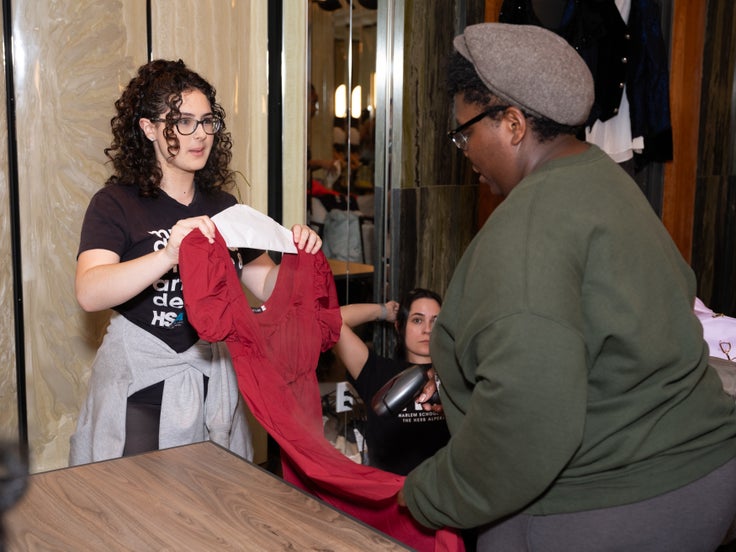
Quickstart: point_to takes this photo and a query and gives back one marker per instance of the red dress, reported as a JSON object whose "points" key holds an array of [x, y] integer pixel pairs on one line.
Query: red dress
{"points": [[275, 354]]}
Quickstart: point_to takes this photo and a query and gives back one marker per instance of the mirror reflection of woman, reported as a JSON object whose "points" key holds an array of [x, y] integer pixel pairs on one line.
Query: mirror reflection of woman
{"points": [[154, 384], [395, 443]]}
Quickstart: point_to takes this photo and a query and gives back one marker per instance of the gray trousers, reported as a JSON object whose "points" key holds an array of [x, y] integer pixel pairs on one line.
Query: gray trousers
{"points": [[694, 518]]}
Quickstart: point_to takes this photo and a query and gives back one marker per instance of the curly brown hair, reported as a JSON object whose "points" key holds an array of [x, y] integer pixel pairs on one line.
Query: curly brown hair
{"points": [[158, 87]]}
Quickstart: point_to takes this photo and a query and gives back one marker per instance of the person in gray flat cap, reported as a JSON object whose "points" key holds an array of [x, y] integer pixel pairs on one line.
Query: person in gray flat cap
{"points": [[583, 413]]}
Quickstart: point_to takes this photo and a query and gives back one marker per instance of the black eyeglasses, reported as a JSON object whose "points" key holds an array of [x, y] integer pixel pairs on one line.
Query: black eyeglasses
{"points": [[188, 125], [457, 135]]}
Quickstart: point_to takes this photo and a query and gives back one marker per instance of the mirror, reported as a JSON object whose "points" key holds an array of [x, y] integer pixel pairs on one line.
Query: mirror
{"points": [[341, 140]]}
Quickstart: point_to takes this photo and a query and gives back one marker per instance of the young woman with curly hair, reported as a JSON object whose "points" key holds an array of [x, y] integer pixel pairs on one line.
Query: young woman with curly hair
{"points": [[154, 383]]}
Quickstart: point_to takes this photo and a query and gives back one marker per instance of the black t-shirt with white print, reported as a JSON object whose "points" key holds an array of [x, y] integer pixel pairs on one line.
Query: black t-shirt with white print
{"points": [[118, 219], [397, 443]]}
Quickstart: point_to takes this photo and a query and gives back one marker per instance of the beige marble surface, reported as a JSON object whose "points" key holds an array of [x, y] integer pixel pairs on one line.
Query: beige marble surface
{"points": [[294, 203], [322, 75], [72, 60]]}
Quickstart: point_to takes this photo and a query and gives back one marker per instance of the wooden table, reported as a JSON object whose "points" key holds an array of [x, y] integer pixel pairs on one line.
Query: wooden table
{"points": [[195, 497], [342, 268], [353, 281]]}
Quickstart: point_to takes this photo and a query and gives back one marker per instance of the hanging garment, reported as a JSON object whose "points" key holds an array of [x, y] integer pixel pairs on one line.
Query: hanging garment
{"points": [[622, 43], [275, 353]]}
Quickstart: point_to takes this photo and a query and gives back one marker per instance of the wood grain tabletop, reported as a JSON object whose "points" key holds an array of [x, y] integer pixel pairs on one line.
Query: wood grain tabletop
{"points": [[196, 497]]}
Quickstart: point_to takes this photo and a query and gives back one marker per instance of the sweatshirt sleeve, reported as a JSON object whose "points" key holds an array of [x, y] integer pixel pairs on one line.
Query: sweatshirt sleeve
{"points": [[524, 422]]}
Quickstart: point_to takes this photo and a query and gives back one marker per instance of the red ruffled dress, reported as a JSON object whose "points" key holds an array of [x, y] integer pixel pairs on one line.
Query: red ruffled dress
{"points": [[275, 354]]}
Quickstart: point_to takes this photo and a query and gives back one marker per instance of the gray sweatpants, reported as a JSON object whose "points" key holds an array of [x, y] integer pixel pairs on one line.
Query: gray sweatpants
{"points": [[694, 518]]}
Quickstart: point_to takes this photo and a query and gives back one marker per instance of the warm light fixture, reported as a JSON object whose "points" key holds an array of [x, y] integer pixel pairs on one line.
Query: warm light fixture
{"points": [[341, 101], [355, 101]]}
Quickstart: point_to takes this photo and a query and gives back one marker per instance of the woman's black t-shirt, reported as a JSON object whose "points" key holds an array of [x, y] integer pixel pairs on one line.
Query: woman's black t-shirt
{"points": [[397, 443], [118, 219]]}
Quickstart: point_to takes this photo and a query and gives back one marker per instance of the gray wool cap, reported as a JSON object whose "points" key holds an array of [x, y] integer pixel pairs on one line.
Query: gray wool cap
{"points": [[532, 68]]}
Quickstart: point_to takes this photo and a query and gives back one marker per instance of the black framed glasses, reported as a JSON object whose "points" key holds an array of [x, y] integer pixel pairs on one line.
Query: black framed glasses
{"points": [[457, 135], [188, 125]]}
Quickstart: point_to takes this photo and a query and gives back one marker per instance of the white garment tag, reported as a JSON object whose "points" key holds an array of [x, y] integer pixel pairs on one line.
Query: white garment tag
{"points": [[243, 226]]}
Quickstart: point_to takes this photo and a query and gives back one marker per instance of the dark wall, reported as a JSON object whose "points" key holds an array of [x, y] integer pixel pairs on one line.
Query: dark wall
{"points": [[714, 232], [436, 200]]}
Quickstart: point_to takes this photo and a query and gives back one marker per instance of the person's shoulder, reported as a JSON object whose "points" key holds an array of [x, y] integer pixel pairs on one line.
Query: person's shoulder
{"points": [[222, 194], [117, 190], [569, 180], [116, 194], [219, 199]]}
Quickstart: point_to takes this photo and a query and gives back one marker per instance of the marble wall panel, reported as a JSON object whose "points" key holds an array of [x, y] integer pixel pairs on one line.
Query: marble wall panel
{"points": [[436, 224], [438, 197], [322, 75], [428, 155], [8, 382], [70, 61], [294, 75]]}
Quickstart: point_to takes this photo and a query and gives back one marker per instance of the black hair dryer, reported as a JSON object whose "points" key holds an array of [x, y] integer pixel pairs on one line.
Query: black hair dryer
{"points": [[402, 390]]}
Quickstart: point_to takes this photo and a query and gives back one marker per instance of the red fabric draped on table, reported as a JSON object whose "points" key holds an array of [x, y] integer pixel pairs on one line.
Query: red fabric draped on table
{"points": [[275, 354]]}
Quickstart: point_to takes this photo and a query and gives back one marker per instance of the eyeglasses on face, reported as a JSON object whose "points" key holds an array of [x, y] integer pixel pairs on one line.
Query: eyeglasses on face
{"points": [[458, 136], [188, 125]]}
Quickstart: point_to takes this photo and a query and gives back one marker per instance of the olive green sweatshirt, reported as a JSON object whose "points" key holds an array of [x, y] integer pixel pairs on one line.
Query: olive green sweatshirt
{"points": [[574, 371]]}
